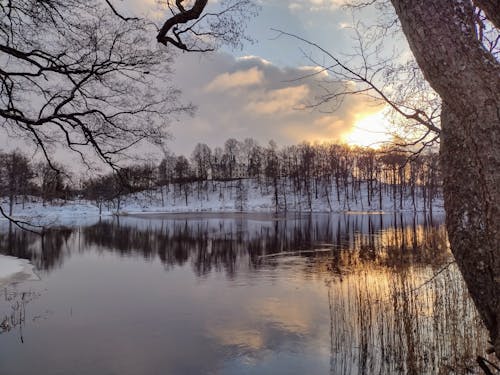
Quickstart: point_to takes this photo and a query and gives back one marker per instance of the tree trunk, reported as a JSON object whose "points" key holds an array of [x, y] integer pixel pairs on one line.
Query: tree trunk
{"points": [[443, 39], [11, 203], [471, 213]]}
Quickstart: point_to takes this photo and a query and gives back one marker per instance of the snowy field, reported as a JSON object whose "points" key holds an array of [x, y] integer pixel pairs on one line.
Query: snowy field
{"points": [[228, 197]]}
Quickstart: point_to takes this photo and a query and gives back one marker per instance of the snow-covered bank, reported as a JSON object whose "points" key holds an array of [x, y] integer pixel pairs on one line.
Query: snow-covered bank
{"points": [[232, 197], [247, 195], [14, 269], [223, 196], [69, 213]]}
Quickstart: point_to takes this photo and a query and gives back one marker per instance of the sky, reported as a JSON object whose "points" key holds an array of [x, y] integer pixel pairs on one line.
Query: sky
{"points": [[259, 91], [256, 91]]}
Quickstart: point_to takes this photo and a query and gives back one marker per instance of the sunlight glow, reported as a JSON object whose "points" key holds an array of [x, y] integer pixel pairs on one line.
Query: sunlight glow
{"points": [[371, 130]]}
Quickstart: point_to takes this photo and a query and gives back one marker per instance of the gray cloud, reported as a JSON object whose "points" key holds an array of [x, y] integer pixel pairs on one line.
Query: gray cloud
{"points": [[251, 97]]}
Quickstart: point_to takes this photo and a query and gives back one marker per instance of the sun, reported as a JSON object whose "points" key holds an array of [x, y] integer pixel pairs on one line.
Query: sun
{"points": [[371, 130]]}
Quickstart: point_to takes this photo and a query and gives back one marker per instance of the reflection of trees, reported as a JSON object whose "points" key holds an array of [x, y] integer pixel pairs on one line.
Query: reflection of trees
{"points": [[44, 252], [15, 316], [388, 314], [229, 244]]}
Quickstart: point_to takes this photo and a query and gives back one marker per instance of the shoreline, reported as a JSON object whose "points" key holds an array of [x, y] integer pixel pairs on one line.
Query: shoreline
{"points": [[15, 270], [258, 214]]}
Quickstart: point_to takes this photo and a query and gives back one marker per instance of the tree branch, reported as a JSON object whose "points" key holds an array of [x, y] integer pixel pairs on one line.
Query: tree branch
{"points": [[119, 14], [184, 16]]}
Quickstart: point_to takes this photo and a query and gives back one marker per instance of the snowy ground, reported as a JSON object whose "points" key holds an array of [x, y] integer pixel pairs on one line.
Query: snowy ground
{"points": [[247, 196], [216, 198], [58, 213], [14, 269]]}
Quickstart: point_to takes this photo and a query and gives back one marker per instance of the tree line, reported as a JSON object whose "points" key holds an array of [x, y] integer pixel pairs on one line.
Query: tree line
{"points": [[307, 171], [22, 179]]}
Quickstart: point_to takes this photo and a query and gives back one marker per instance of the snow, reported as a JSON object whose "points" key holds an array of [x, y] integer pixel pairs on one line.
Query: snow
{"points": [[14, 269], [250, 197], [217, 197], [77, 212]]}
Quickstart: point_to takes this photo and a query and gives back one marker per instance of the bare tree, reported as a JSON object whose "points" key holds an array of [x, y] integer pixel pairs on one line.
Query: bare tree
{"points": [[15, 177], [99, 190], [201, 157], [74, 74], [444, 38], [78, 74], [200, 26], [183, 175], [52, 181]]}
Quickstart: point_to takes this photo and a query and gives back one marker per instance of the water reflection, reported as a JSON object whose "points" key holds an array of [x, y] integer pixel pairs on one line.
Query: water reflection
{"points": [[220, 244], [45, 253], [317, 294]]}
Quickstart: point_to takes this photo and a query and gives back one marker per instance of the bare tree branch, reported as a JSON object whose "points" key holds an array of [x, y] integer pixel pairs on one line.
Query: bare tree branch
{"points": [[119, 14], [203, 27], [180, 18], [348, 73]]}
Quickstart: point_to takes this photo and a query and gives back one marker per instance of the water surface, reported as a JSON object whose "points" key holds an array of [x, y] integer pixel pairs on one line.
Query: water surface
{"points": [[318, 294]]}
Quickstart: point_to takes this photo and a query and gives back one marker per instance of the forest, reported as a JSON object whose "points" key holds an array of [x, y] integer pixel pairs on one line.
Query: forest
{"points": [[336, 173]]}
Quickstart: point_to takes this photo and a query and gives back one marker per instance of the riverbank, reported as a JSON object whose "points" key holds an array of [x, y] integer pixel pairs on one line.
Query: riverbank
{"points": [[221, 198], [14, 269], [76, 212]]}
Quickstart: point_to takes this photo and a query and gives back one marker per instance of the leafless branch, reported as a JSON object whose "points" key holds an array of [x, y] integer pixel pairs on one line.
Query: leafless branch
{"points": [[348, 73], [119, 14]]}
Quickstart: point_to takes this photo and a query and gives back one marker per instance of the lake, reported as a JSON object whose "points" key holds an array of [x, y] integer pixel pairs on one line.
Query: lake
{"points": [[239, 294]]}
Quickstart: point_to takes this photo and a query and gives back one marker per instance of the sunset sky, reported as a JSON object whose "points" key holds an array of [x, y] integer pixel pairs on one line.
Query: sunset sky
{"points": [[257, 91], [254, 92]]}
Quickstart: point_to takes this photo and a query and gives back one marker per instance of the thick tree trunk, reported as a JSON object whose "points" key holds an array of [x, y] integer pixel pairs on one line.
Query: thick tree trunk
{"points": [[472, 217], [442, 37]]}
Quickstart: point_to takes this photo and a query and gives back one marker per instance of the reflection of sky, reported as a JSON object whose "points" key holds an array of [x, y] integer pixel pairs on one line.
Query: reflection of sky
{"points": [[126, 316], [109, 311]]}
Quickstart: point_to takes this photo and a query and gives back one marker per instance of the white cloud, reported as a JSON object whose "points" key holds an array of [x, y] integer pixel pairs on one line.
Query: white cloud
{"points": [[316, 5], [258, 59], [279, 101], [224, 81], [295, 7], [251, 97], [345, 25]]}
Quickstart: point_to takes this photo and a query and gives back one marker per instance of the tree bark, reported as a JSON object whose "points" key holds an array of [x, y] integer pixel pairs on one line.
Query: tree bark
{"points": [[442, 36]]}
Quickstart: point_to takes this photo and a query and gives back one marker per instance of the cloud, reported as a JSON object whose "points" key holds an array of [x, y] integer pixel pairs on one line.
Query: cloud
{"points": [[251, 97], [226, 81], [345, 25], [316, 5], [255, 58], [279, 101], [295, 7]]}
